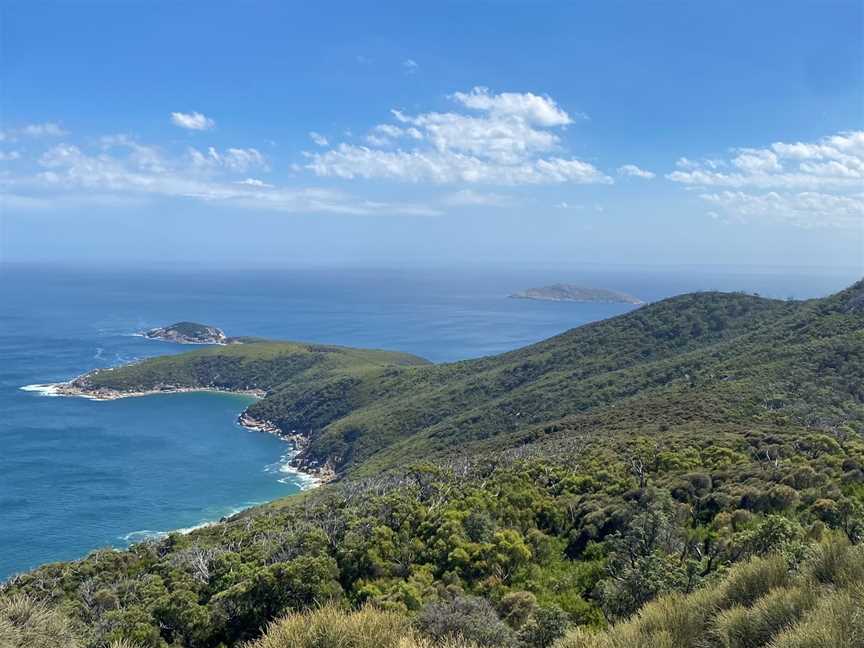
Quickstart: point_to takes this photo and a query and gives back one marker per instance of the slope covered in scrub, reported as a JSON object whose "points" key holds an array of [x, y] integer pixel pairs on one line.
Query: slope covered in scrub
{"points": [[690, 472]]}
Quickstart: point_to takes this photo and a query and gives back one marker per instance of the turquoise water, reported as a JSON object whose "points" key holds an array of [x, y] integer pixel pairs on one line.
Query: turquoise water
{"points": [[76, 474]]}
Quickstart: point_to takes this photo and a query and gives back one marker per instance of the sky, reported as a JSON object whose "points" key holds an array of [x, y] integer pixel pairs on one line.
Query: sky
{"points": [[442, 133]]}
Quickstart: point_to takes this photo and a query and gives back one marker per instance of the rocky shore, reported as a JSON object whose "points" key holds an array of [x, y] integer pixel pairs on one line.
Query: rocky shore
{"points": [[321, 473], [79, 388], [75, 388]]}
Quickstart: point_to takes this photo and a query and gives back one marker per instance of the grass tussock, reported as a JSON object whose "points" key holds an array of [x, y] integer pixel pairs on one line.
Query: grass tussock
{"points": [[752, 580], [331, 626], [760, 603], [836, 622], [26, 623], [743, 627]]}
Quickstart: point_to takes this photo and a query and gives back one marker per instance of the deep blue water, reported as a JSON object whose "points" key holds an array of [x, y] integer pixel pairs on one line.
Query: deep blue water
{"points": [[77, 475]]}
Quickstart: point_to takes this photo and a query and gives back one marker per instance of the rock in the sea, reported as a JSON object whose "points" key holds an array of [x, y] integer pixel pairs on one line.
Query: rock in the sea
{"points": [[188, 333]]}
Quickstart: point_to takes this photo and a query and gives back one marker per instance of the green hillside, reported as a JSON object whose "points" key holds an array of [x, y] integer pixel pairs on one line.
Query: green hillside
{"points": [[254, 365], [749, 357], [688, 475]]}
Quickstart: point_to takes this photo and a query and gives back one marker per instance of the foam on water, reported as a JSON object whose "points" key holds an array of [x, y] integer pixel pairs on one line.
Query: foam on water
{"points": [[49, 389], [146, 534], [291, 474], [53, 389]]}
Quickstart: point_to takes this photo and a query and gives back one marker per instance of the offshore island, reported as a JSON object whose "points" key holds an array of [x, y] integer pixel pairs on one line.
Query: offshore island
{"points": [[189, 333], [572, 293]]}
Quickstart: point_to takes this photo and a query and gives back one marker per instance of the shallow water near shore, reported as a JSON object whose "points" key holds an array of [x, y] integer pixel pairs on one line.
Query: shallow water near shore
{"points": [[78, 474]]}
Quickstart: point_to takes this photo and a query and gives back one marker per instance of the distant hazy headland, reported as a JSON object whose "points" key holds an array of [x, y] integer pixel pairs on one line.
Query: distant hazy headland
{"points": [[569, 292]]}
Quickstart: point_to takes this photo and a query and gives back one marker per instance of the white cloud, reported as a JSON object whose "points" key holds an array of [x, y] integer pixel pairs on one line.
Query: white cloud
{"points": [[634, 171], [808, 184], [8, 156], [48, 129], [386, 134], [121, 171], [192, 121], [511, 142], [835, 162], [805, 209], [254, 182], [318, 138], [534, 109], [410, 66], [469, 197], [349, 161], [685, 163], [235, 159]]}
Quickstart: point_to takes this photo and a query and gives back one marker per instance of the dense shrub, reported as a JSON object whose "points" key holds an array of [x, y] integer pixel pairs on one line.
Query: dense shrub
{"points": [[470, 617]]}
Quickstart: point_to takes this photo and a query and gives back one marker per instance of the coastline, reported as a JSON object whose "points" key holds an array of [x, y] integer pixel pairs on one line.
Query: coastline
{"points": [[317, 475], [157, 338], [309, 476], [104, 394]]}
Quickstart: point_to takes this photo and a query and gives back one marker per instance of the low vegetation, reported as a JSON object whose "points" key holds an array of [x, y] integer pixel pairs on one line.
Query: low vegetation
{"points": [[690, 474], [331, 626], [255, 365], [779, 601]]}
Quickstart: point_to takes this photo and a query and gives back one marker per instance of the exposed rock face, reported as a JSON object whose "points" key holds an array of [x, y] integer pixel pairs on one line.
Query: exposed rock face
{"points": [[188, 333], [569, 292]]}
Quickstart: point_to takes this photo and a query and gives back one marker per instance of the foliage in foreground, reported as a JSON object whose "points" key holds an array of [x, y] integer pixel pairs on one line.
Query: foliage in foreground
{"points": [[510, 550], [770, 601], [26, 623], [333, 627]]}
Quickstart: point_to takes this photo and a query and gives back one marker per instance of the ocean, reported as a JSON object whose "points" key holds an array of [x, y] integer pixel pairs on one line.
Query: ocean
{"points": [[77, 475]]}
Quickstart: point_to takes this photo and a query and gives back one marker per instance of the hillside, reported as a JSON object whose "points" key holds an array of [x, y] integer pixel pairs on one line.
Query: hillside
{"points": [[545, 495], [255, 365], [748, 356]]}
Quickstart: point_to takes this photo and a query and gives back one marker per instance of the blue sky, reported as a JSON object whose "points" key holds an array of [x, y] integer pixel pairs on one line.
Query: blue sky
{"points": [[452, 133]]}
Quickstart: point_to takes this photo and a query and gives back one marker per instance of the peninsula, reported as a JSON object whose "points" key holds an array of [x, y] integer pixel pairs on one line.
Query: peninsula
{"points": [[571, 293], [188, 333], [290, 379]]}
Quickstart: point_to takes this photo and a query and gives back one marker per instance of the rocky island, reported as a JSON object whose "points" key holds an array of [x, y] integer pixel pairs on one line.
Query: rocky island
{"points": [[188, 333], [571, 293]]}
